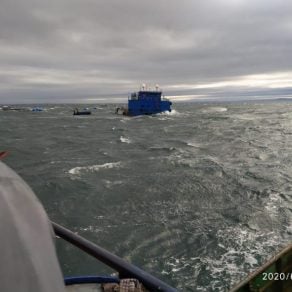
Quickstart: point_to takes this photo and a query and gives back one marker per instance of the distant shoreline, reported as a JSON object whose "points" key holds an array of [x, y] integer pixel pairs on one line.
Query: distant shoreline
{"points": [[250, 100]]}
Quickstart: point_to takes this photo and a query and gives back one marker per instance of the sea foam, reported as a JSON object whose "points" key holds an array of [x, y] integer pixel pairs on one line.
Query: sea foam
{"points": [[214, 110], [125, 140], [97, 167]]}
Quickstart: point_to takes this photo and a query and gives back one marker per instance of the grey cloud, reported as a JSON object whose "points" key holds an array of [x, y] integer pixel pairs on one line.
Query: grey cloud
{"points": [[110, 47]]}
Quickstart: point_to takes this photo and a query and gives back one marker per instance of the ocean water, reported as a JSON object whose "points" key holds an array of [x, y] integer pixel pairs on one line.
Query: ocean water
{"points": [[199, 197]]}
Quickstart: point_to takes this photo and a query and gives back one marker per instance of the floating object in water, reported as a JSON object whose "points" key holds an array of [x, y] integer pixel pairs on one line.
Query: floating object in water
{"points": [[145, 102], [122, 111]]}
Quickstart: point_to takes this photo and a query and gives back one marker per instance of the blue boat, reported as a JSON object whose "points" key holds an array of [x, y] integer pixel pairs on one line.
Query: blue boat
{"points": [[145, 102]]}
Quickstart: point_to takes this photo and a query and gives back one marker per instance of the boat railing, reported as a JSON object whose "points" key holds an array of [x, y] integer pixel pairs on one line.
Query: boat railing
{"points": [[274, 275], [125, 269]]}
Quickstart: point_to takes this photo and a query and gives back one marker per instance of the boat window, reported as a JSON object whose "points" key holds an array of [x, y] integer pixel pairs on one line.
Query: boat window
{"points": [[134, 95]]}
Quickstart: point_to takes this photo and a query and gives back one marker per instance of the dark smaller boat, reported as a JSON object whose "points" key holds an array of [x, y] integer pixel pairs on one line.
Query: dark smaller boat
{"points": [[77, 112]]}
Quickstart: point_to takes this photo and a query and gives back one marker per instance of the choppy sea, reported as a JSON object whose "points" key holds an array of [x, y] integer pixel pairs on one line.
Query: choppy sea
{"points": [[199, 197]]}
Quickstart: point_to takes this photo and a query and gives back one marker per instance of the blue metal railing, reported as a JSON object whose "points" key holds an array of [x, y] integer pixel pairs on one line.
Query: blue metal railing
{"points": [[90, 279], [125, 269]]}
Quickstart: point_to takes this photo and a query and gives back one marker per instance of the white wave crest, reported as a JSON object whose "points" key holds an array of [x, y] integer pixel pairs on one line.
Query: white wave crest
{"points": [[79, 169], [194, 144], [172, 113], [214, 110], [125, 140], [242, 249]]}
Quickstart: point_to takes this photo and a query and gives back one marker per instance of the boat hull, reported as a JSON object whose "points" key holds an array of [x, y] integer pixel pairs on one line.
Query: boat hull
{"points": [[145, 102], [83, 113], [148, 106], [274, 276]]}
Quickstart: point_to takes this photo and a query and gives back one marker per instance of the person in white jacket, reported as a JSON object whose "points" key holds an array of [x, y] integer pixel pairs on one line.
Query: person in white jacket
{"points": [[28, 260]]}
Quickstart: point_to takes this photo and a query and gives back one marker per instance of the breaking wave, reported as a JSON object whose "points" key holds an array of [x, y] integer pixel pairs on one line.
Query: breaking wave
{"points": [[125, 140], [214, 110], [91, 168]]}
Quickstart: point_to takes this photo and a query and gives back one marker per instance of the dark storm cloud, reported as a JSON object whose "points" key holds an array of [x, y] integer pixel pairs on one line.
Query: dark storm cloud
{"points": [[70, 49]]}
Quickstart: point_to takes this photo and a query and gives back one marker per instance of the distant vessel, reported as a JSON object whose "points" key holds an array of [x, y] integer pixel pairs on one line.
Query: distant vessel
{"points": [[10, 108], [82, 112], [37, 109], [145, 102]]}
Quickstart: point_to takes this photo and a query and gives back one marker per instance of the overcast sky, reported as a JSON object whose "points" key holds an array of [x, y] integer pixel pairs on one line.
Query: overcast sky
{"points": [[90, 50]]}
